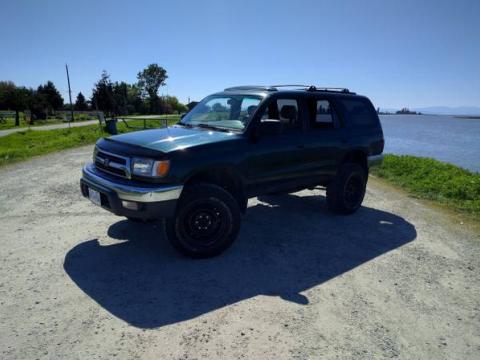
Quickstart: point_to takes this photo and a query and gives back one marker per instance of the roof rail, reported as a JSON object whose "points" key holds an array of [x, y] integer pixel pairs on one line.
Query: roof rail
{"points": [[251, 87], [286, 85], [330, 89], [275, 88]]}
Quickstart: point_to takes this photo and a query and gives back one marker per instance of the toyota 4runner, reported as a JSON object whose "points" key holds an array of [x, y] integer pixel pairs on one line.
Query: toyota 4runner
{"points": [[236, 144]]}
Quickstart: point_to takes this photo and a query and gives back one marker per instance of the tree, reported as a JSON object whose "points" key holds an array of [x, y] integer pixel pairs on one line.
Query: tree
{"points": [[80, 103], [14, 98], [135, 103], [7, 88], [38, 104], [150, 79], [174, 104], [120, 95], [53, 99], [102, 95]]}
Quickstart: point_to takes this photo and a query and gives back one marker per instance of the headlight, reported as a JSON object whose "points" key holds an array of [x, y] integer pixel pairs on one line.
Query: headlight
{"points": [[148, 167], [95, 151]]}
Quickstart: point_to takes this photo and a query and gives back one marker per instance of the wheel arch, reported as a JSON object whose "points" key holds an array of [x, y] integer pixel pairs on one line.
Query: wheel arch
{"points": [[357, 156], [227, 177]]}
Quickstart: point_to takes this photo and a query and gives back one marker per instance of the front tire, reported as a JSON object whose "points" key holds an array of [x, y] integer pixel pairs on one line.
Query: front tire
{"points": [[346, 192], [206, 223]]}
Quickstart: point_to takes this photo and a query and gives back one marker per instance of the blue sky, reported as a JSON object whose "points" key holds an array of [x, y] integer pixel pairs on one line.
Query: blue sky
{"points": [[399, 53]]}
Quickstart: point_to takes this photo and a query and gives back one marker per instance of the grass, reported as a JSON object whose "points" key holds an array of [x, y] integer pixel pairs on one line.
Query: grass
{"points": [[426, 178], [26, 144]]}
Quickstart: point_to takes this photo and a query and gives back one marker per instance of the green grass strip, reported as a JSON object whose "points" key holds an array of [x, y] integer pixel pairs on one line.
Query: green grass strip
{"points": [[431, 179]]}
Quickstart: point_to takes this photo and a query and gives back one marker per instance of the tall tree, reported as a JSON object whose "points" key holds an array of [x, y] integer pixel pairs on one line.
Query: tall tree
{"points": [[120, 94], [102, 95], [150, 79], [81, 103], [52, 96], [134, 99]]}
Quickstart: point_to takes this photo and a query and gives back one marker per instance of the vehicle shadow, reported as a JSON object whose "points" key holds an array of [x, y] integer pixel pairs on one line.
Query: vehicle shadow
{"points": [[287, 244]]}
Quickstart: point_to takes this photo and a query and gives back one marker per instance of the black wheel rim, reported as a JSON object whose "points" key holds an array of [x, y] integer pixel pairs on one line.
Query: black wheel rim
{"points": [[204, 223], [353, 191]]}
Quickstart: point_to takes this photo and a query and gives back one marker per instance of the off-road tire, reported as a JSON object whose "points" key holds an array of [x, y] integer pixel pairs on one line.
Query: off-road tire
{"points": [[206, 222], [346, 191]]}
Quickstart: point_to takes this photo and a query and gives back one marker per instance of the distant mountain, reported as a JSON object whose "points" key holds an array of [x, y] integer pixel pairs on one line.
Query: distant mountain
{"points": [[441, 110], [446, 110]]}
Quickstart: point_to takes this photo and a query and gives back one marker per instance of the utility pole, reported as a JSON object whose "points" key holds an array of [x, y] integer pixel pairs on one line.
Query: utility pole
{"points": [[69, 95]]}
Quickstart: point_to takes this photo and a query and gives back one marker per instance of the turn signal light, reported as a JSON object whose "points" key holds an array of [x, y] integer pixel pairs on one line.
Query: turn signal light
{"points": [[162, 168]]}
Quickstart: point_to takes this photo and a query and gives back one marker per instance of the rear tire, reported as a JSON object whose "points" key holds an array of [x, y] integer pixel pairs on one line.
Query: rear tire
{"points": [[206, 223], [346, 192]]}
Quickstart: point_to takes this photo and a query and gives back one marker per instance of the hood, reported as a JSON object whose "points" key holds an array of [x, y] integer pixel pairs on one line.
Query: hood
{"points": [[173, 138]]}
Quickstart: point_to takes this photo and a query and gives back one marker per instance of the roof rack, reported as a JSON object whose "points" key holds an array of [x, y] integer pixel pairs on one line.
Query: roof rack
{"points": [[251, 87], [275, 88], [329, 89]]}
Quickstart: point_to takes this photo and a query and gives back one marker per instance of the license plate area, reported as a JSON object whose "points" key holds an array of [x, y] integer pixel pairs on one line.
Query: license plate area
{"points": [[94, 197]]}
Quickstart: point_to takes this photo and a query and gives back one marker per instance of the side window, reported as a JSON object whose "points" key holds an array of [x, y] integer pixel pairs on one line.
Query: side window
{"points": [[285, 110], [359, 112], [321, 114]]}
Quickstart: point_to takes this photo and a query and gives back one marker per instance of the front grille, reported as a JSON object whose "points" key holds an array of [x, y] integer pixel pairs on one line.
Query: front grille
{"points": [[112, 164]]}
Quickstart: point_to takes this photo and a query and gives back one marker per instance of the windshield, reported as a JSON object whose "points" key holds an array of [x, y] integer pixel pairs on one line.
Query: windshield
{"points": [[228, 112]]}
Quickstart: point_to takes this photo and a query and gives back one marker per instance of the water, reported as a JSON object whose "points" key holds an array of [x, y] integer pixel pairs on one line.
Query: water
{"points": [[444, 138]]}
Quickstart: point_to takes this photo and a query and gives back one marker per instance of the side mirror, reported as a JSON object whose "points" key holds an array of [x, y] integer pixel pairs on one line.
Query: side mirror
{"points": [[270, 127]]}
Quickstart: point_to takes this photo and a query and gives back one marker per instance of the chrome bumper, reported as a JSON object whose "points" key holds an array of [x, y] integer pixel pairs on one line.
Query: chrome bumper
{"points": [[375, 160], [129, 192]]}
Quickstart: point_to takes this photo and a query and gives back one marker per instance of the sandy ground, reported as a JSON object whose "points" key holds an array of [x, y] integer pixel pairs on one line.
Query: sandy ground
{"points": [[396, 280]]}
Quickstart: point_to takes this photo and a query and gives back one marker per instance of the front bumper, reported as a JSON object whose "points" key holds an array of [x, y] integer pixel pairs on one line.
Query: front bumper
{"points": [[153, 201]]}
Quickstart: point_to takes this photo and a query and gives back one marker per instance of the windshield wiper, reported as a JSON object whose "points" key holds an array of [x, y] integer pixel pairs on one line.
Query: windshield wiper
{"points": [[213, 127], [184, 124]]}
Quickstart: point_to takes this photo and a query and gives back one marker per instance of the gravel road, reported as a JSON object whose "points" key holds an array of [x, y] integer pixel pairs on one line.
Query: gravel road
{"points": [[398, 279]]}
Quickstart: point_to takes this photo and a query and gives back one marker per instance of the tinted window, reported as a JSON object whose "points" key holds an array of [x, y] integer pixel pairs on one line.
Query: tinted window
{"points": [[321, 114], [359, 112], [285, 110]]}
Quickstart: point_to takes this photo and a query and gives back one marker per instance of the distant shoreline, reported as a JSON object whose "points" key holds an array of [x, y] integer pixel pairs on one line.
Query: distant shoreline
{"points": [[471, 117]]}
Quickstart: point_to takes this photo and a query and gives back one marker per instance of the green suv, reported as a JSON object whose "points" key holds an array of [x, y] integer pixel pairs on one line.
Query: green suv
{"points": [[236, 144]]}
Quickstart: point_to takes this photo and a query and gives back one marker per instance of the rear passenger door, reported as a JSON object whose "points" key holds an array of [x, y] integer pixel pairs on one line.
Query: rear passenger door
{"points": [[324, 138]]}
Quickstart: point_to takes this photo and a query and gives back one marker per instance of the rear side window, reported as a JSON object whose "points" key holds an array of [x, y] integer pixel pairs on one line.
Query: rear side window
{"points": [[321, 114], [359, 112]]}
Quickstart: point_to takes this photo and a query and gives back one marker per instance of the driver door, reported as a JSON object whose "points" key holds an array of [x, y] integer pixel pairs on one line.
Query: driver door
{"points": [[274, 159]]}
